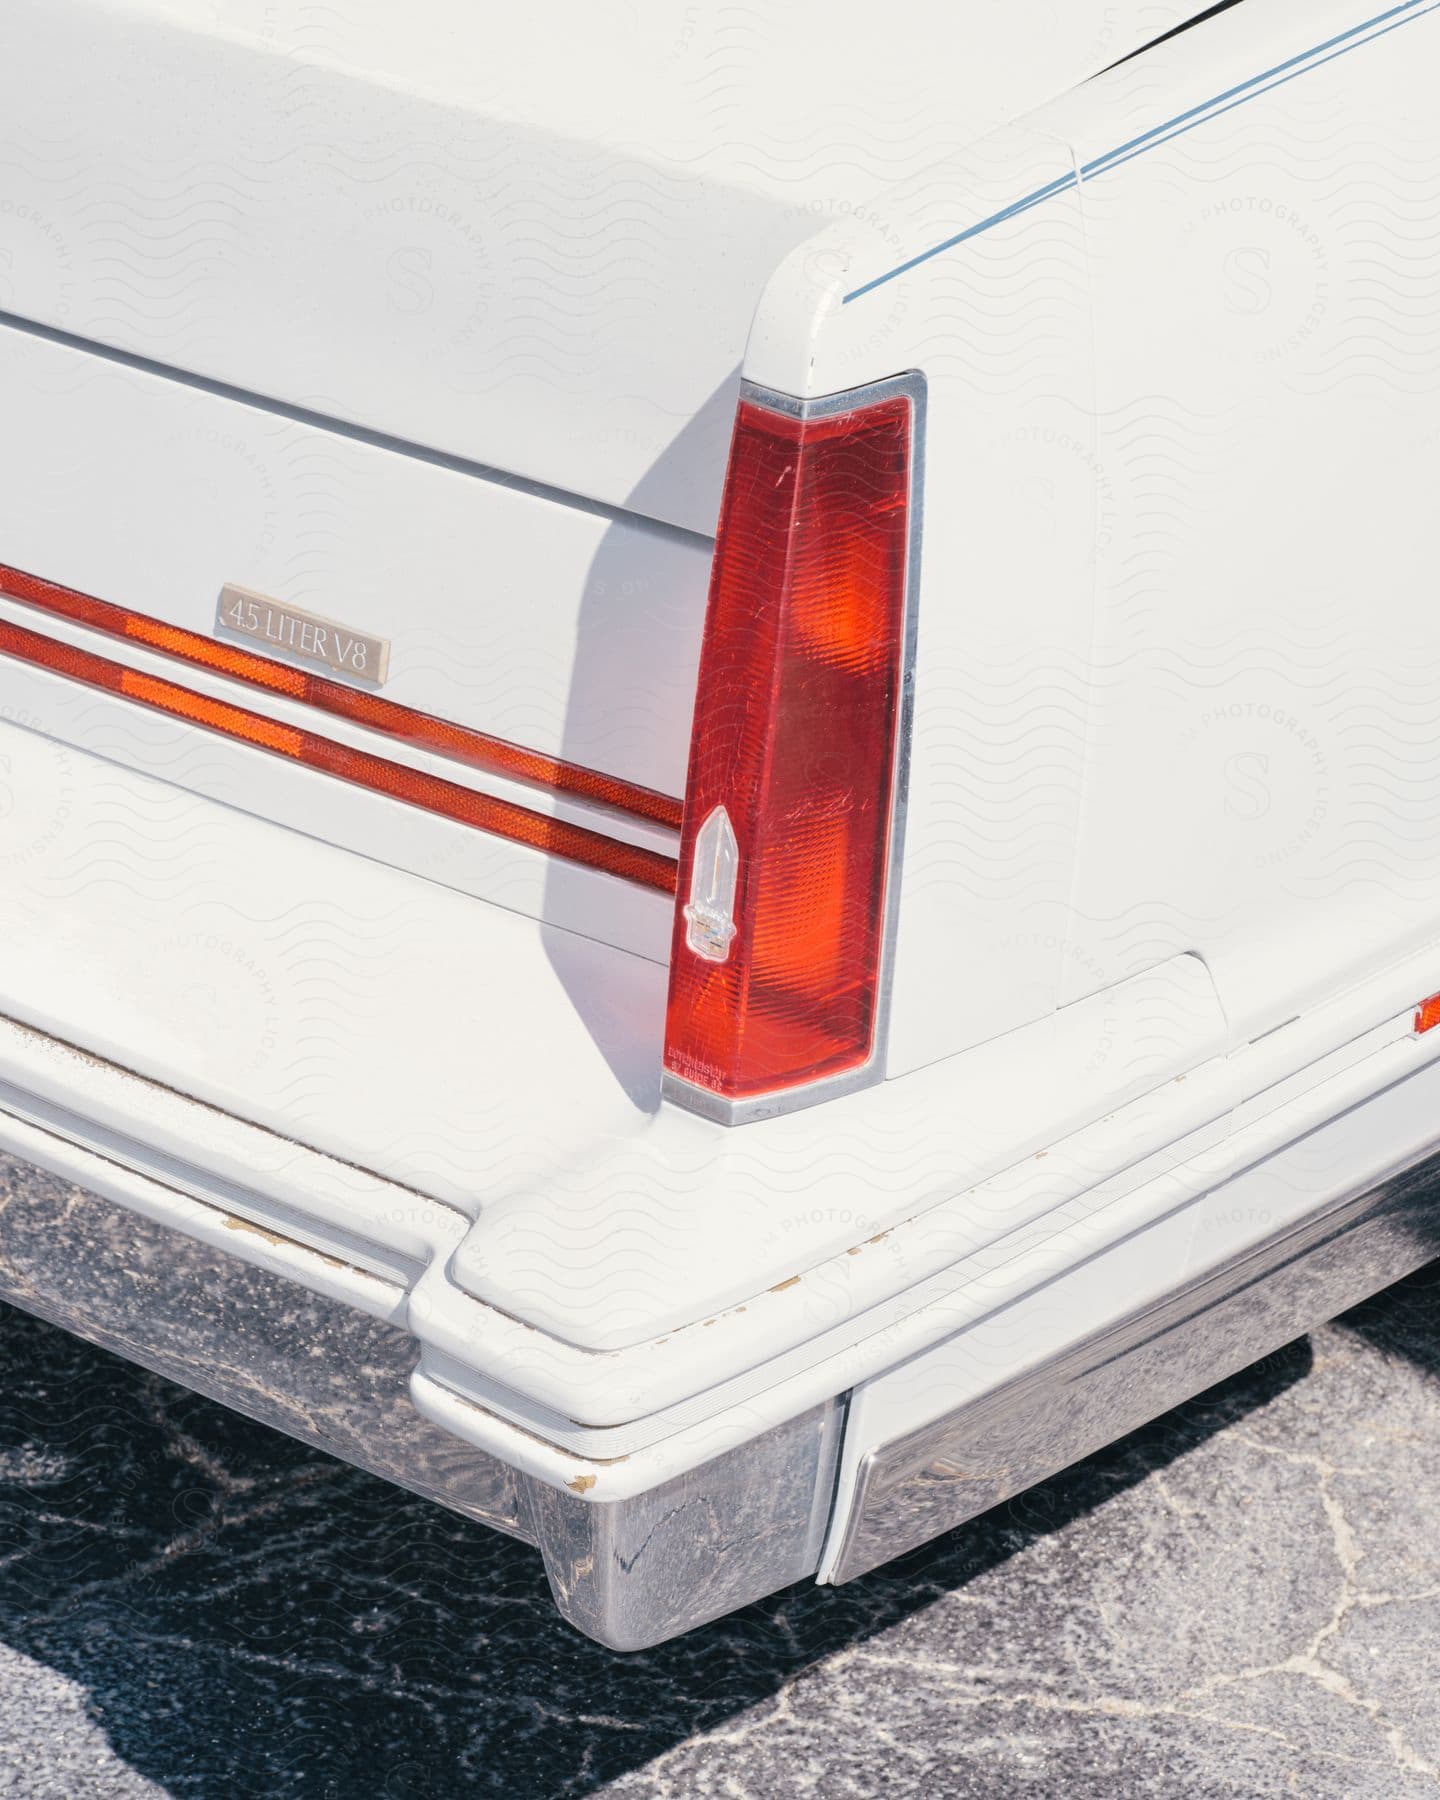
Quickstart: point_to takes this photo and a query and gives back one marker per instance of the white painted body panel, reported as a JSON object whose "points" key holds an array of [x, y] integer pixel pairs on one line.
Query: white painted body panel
{"points": [[533, 237], [1175, 626], [579, 1333], [1125, 998], [568, 629], [387, 1020]]}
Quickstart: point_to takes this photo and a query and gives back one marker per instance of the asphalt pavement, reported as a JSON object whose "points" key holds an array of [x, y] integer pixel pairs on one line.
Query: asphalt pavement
{"points": [[1241, 1600]]}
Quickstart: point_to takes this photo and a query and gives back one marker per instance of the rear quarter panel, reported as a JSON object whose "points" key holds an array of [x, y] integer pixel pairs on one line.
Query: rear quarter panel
{"points": [[1176, 635]]}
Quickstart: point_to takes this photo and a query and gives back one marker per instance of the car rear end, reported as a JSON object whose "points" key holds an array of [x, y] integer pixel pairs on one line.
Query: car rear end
{"points": [[543, 750]]}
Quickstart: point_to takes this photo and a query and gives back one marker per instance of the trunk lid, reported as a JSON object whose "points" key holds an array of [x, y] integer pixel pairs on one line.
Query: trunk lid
{"points": [[530, 237]]}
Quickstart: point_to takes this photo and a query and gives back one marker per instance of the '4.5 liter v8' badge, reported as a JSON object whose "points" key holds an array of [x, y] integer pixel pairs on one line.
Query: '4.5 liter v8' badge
{"points": [[301, 636]]}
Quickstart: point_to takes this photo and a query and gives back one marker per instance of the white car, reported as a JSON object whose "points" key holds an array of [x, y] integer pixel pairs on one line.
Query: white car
{"points": [[722, 1090]]}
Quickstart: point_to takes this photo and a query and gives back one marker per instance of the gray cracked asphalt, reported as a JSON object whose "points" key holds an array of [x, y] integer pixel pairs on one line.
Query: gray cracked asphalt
{"points": [[1243, 1599]]}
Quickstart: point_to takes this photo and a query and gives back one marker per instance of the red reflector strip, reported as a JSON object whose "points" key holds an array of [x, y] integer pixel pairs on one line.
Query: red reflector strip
{"points": [[501, 818], [419, 730], [776, 965], [1427, 1014]]}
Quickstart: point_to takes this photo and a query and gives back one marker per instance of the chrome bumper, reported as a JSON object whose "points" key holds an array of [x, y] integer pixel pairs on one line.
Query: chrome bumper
{"points": [[1146, 1362], [633, 1572], [629, 1573]]}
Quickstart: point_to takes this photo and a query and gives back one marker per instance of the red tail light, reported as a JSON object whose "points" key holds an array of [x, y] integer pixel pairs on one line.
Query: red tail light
{"points": [[776, 973]]}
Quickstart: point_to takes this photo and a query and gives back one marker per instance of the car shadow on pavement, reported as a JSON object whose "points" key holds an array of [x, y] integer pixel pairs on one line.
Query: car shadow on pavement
{"points": [[244, 1615], [1404, 1321]]}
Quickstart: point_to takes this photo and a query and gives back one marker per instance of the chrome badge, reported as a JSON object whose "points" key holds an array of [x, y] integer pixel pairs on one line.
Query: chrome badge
{"points": [[301, 636]]}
